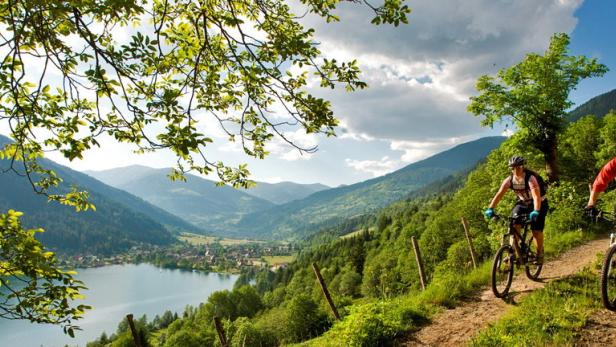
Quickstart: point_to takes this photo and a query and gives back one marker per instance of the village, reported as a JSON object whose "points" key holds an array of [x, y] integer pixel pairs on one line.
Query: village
{"points": [[209, 257]]}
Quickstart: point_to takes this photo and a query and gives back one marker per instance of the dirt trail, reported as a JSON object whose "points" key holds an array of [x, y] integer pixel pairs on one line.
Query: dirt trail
{"points": [[457, 326], [600, 330]]}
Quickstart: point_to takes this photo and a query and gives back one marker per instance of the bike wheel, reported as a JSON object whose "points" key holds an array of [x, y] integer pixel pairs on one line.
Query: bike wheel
{"points": [[608, 279], [531, 268], [502, 271]]}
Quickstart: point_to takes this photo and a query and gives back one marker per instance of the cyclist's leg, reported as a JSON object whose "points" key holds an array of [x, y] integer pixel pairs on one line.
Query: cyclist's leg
{"points": [[515, 242], [538, 236], [519, 209], [537, 228]]}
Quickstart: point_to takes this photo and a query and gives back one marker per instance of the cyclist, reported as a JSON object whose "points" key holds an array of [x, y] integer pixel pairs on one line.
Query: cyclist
{"points": [[531, 201], [607, 173]]}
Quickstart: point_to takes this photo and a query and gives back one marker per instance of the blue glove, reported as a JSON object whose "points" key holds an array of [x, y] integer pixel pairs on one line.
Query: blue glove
{"points": [[534, 215], [489, 213]]}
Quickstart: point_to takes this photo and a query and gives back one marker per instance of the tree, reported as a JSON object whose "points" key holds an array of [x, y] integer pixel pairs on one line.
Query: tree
{"points": [[31, 284], [533, 94], [66, 79]]}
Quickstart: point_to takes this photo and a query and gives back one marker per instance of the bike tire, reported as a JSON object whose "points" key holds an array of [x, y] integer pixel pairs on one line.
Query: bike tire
{"points": [[608, 279], [502, 271], [532, 270]]}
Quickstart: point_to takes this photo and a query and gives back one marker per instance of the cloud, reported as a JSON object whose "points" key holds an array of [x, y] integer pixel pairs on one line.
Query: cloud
{"points": [[422, 74], [415, 151], [283, 150], [374, 167]]}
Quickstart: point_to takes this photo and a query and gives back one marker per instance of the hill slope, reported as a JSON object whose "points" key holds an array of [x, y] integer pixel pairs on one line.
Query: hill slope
{"points": [[120, 221], [599, 106], [302, 217], [197, 200], [283, 192]]}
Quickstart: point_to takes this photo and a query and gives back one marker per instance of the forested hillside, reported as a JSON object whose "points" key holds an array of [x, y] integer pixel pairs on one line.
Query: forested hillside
{"points": [[301, 218], [599, 106], [120, 220], [283, 192], [373, 276], [198, 201]]}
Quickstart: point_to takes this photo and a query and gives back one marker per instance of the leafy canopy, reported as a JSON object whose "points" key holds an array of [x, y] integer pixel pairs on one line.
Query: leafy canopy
{"points": [[31, 284], [68, 76], [533, 94], [157, 75]]}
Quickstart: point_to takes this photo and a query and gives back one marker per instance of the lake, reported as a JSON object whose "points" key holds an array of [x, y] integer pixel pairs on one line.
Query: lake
{"points": [[114, 291]]}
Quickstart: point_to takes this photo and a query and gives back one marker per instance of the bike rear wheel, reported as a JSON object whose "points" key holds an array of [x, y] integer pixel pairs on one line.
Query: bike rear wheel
{"points": [[531, 268], [608, 279], [502, 271]]}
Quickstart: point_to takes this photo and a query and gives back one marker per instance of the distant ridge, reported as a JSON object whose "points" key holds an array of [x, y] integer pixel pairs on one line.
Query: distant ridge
{"points": [[120, 221], [300, 218], [283, 192], [198, 200], [599, 106]]}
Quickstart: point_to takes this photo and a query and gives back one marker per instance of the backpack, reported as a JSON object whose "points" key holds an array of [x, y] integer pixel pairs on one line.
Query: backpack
{"points": [[543, 187]]}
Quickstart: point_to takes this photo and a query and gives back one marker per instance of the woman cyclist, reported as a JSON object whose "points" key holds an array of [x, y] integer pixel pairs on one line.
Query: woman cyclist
{"points": [[531, 201]]}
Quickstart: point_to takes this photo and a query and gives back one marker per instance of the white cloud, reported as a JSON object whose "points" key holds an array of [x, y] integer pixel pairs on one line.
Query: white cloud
{"points": [[508, 132], [298, 137], [422, 74], [415, 151], [374, 167]]}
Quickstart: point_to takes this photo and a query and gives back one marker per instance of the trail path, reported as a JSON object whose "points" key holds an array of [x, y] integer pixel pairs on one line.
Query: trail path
{"points": [[457, 326], [600, 330]]}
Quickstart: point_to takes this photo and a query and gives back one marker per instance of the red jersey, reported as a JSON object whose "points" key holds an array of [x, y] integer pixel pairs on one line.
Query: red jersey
{"points": [[607, 173]]}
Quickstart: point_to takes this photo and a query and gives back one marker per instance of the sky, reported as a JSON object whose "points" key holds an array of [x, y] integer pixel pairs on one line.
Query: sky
{"points": [[421, 76]]}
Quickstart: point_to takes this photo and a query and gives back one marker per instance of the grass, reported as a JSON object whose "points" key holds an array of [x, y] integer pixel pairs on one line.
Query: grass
{"points": [[381, 322], [354, 233], [197, 239], [553, 316], [272, 260]]}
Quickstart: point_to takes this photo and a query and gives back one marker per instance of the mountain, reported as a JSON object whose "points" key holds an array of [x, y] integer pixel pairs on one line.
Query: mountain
{"points": [[283, 192], [120, 220], [198, 201], [302, 217], [599, 106]]}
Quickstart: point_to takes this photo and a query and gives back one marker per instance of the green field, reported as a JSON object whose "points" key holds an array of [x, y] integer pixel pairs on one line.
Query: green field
{"points": [[278, 259], [197, 239]]}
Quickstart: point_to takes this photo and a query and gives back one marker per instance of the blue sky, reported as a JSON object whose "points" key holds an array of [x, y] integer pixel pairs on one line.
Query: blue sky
{"points": [[595, 36], [420, 78]]}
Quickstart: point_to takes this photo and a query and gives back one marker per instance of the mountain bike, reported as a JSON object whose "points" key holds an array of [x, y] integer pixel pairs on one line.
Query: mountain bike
{"points": [[608, 269], [506, 257]]}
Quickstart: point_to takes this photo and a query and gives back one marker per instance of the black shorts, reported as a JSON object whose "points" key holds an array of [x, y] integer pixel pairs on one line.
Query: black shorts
{"points": [[522, 207]]}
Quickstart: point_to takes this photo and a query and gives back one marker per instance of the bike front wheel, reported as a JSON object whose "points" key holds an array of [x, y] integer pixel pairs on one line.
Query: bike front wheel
{"points": [[502, 271], [608, 279], [532, 268]]}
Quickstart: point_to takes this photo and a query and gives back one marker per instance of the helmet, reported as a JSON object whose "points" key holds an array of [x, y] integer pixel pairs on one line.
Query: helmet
{"points": [[516, 161]]}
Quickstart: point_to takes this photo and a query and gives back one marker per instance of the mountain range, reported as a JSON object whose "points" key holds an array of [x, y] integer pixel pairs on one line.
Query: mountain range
{"points": [[599, 106], [224, 211], [301, 217], [198, 201], [120, 220]]}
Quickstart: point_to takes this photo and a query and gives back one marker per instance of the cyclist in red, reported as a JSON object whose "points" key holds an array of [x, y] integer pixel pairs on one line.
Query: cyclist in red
{"points": [[531, 201], [607, 174]]}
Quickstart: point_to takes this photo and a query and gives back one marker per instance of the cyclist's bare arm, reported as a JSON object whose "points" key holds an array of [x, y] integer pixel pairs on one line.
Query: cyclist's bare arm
{"points": [[536, 194], [607, 173], [499, 195], [592, 200]]}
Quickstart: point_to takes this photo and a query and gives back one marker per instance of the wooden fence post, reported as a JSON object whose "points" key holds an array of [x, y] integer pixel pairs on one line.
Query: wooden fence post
{"points": [[470, 242], [317, 272], [422, 275], [133, 330], [221, 332]]}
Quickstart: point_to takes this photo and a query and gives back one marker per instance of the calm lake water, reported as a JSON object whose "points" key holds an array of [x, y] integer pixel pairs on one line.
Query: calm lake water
{"points": [[114, 291]]}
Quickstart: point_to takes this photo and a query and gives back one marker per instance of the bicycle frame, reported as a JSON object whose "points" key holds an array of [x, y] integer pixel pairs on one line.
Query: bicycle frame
{"points": [[512, 231]]}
